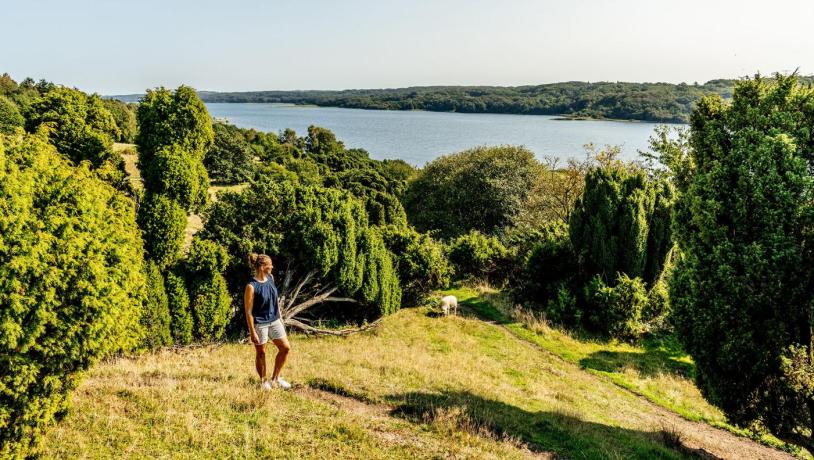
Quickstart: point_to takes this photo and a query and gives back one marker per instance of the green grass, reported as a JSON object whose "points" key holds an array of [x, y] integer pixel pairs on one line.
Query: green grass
{"points": [[656, 369], [425, 387]]}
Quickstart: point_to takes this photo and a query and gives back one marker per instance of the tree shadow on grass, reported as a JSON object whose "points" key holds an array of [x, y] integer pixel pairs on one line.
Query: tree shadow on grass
{"points": [[659, 357], [480, 308], [564, 434]]}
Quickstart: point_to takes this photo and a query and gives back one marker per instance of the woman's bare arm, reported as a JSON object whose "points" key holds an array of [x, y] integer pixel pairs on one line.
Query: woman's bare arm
{"points": [[248, 302]]}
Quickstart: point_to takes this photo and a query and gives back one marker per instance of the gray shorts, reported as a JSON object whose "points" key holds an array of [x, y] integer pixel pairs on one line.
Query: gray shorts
{"points": [[273, 330]]}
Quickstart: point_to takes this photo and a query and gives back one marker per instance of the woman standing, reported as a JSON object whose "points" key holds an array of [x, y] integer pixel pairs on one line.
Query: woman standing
{"points": [[260, 301]]}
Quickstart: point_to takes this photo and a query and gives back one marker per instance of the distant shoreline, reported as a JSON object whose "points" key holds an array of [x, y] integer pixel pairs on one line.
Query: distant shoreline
{"points": [[571, 101], [133, 98]]}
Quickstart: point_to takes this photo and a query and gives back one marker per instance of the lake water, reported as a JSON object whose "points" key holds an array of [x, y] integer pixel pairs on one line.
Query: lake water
{"points": [[419, 137]]}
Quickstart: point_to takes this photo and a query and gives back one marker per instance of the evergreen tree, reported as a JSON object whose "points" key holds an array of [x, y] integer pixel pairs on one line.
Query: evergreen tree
{"points": [[620, 224], [72, 284], [229, 160], [311, 232], [742, 289]]}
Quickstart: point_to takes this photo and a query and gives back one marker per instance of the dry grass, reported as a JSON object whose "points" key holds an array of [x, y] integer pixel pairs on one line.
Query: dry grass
{"points": [[416, 387], [130, 156]]}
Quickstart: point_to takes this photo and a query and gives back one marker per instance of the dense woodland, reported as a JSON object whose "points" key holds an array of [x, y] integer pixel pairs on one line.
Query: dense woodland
{"points": [[707, 240], [658, 102]]}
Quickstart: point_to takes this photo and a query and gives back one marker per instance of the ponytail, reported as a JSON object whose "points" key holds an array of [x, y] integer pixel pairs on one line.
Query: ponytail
{"points": [[258, 260]]}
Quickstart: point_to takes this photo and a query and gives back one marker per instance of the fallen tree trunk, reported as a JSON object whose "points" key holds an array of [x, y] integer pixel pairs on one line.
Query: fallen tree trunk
{"points": [[304, 295]]}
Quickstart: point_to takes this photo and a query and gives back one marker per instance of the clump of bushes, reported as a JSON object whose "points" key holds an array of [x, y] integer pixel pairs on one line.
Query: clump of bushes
{"points": [[476, 254], [420, 261], [616, 309], [307, 229], [156, 315], [229, 160], [605, 270], [181, 324], [483, 189], [208, 294], [72, 284]]}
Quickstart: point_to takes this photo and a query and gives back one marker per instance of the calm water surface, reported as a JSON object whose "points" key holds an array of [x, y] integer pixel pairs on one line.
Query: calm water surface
{"points": [[419, 137]]}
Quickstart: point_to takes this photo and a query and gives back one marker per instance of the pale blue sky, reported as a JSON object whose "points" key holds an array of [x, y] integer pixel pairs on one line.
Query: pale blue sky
{"points": [[115, 47]]}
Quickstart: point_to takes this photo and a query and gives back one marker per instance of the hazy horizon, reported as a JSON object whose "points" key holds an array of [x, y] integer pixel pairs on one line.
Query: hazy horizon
{"points": [[116, 48], [257, 90]]}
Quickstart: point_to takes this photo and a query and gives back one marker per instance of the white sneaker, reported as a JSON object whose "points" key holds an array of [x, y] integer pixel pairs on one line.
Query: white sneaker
{"points": [[266, 385], [283, 384]]}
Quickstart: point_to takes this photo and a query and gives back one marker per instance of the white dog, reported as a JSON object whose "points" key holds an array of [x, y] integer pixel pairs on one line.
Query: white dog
{"points": [[448, 303]]}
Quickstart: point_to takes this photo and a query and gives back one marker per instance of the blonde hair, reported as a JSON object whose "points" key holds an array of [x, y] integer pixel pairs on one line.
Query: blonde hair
{"points": [[258, 260]]}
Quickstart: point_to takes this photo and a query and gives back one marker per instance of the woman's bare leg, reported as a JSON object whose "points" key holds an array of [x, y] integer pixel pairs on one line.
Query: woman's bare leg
{"points": [[260, 361], [282, 353]]}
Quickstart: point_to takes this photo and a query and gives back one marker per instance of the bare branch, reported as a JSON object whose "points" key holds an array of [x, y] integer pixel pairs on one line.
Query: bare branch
{"points": [[302, 283], [339, 332], [293, 311]]}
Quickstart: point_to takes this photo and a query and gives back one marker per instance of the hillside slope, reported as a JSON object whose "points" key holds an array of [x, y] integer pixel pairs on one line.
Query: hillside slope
{"points": [[419, 386]]}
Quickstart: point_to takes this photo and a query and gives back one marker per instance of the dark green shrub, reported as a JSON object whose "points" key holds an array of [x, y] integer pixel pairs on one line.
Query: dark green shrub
{"points": [[179, 305], [562, 308], [163, 222], [155, 317], [549, 266], [380, 284], [306, 229], [71, 284], [741, 291], [616, 310], [421, 263], [475, 254], [620, 224], [229, 160]]}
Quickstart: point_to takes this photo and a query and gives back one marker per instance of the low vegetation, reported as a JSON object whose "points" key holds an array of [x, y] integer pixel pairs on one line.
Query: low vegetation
{"points": [[469, 389]]}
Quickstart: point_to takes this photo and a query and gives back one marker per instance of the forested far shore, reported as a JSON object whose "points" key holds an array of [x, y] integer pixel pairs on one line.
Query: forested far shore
{"points": [[655, 102]]}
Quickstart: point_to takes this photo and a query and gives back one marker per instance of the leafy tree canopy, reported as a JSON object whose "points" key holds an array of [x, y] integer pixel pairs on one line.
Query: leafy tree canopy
{"points": [[78, 125], [481, 189], [230, 159], [10, 116]]}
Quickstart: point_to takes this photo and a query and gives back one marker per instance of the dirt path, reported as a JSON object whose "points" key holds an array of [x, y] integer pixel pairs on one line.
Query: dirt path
{"points": [[696, 438]]}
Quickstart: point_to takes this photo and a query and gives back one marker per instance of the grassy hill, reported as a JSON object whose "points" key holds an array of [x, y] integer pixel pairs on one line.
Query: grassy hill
{"points": [[418, 386]]}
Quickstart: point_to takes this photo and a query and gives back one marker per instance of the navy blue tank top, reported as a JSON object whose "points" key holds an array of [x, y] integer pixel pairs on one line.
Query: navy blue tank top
{"points": [[265, 308]]}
